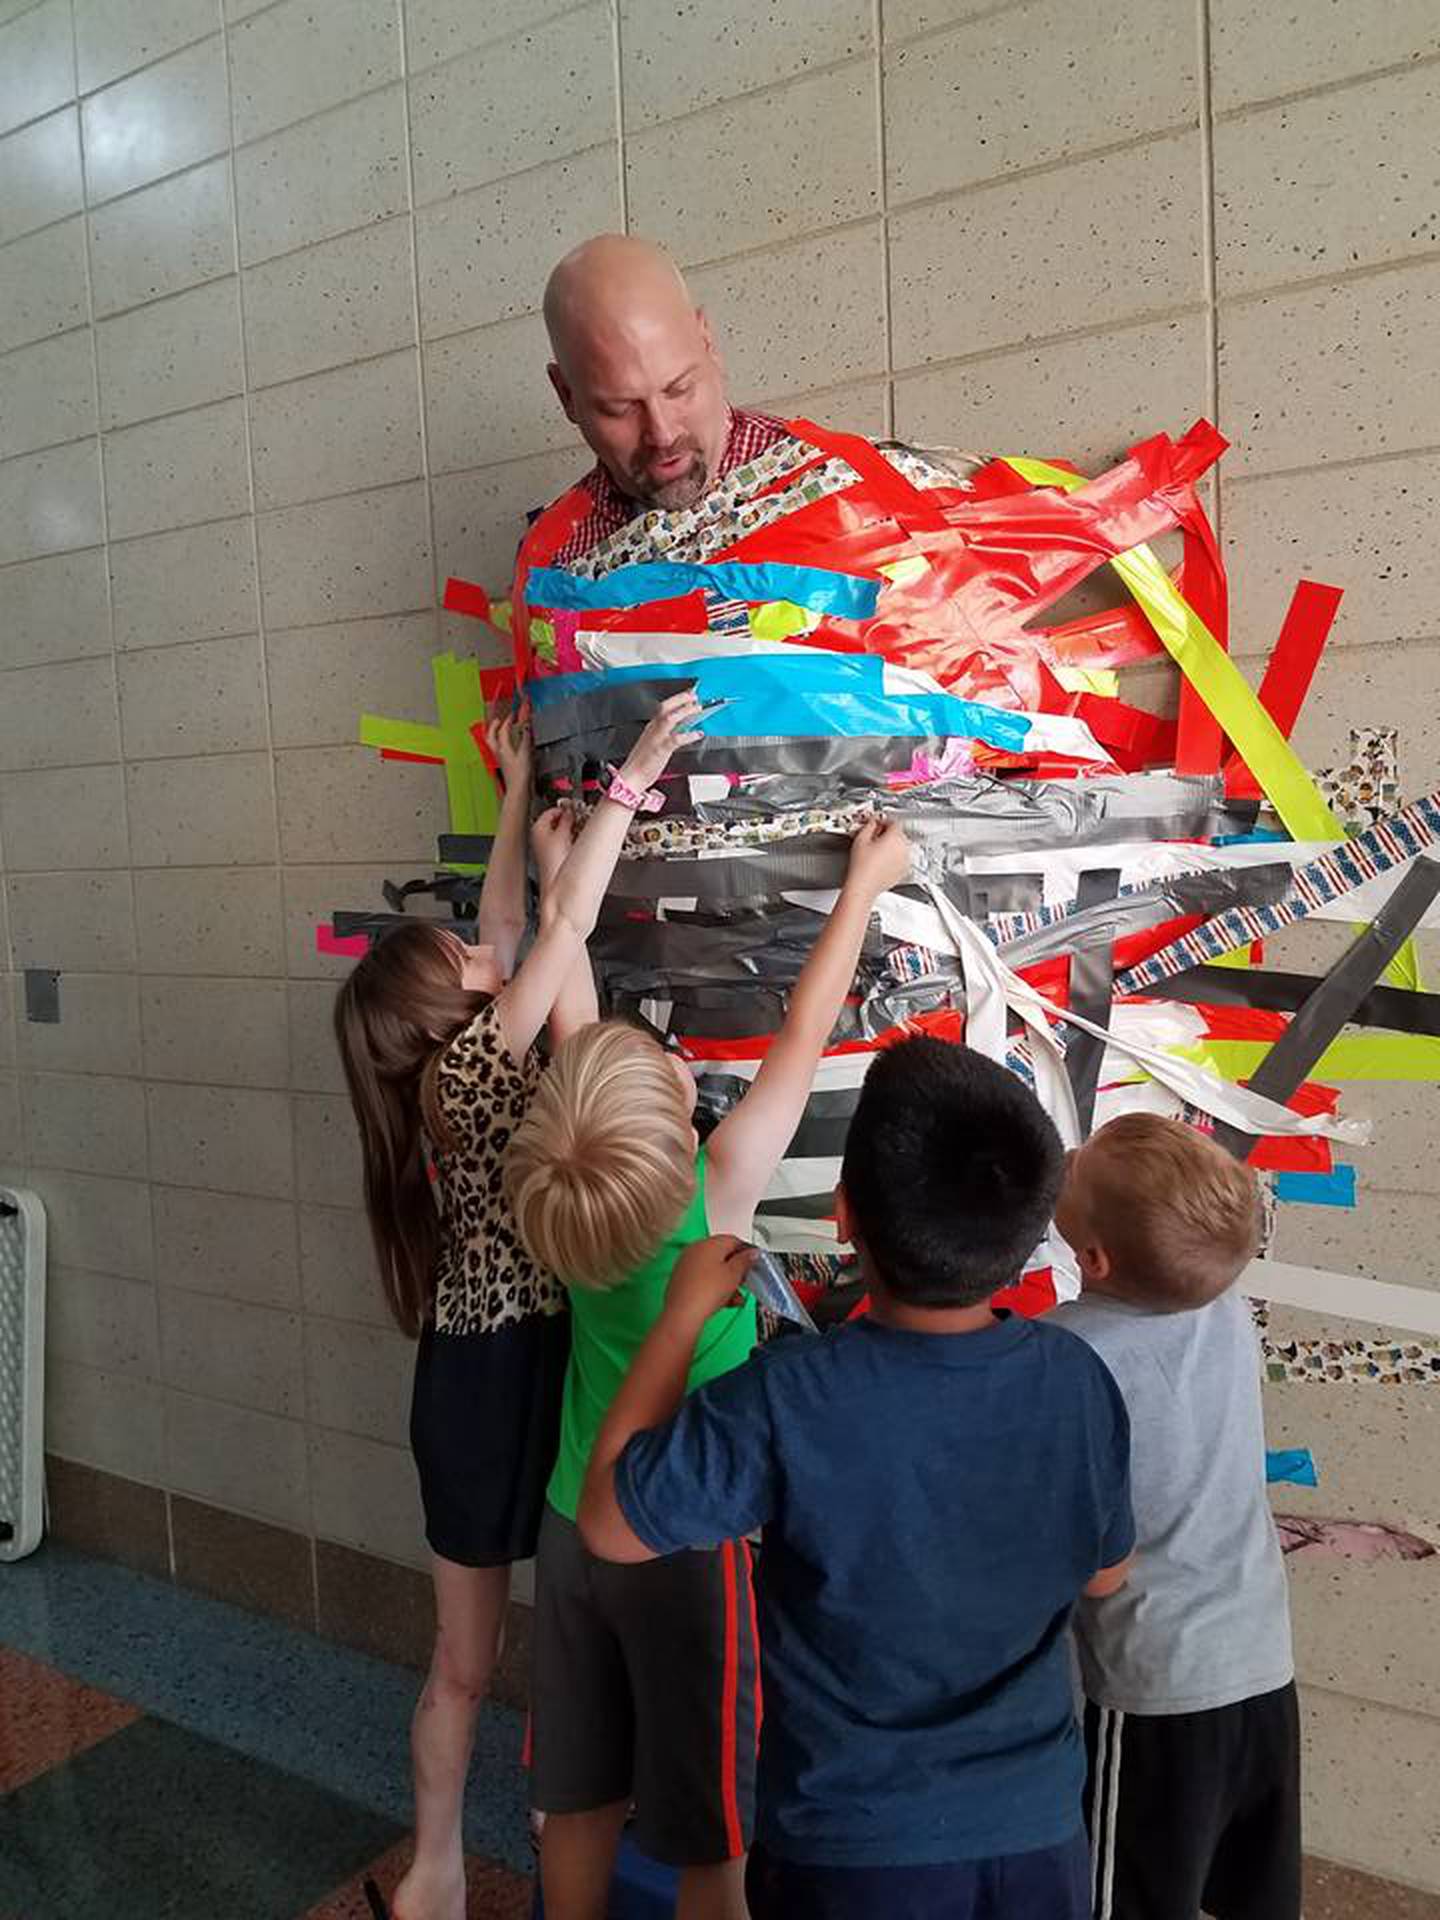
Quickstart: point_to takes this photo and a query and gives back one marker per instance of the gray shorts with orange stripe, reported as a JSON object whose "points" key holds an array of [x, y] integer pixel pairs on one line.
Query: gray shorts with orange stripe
{"points": [[645, 1686]]}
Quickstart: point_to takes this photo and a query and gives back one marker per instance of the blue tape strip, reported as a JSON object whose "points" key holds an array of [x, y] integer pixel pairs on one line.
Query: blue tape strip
{"points": [[845, 595], [1333, 1189], [1296, 1465], [834, 694], [1257, 837]]}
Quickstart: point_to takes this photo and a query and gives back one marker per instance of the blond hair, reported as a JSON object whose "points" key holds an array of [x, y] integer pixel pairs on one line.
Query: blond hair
{"points": [[1178, 1217], [603, 1165]]}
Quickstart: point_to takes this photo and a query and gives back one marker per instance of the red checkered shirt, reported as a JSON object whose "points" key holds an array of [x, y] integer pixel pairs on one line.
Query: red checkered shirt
{"points": [[750, 435]]}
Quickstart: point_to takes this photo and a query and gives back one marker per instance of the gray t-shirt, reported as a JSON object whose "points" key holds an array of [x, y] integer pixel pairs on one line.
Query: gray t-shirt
{"points": [[1204, 1619]]}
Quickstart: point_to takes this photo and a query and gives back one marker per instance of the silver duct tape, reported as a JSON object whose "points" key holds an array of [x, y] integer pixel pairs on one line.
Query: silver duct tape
{"points": [[1070, 929], [1092, 979]]}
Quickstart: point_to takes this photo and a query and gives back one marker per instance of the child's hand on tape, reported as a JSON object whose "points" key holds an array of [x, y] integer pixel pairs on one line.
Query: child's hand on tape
{"points": [[880, 857], [707, 1277], [551, 839], [509, 740]]}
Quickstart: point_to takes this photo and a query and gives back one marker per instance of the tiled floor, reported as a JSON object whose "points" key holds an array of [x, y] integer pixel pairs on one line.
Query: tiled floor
{"points": [[167, 1755]]}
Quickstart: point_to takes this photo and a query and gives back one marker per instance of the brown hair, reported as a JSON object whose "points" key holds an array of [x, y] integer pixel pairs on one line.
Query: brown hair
{"points": [[1178, 1216], [393, 1015], [603, 1164]]}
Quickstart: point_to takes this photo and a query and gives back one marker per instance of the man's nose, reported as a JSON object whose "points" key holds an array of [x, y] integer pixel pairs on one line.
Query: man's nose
{"points": [[662, 427]]}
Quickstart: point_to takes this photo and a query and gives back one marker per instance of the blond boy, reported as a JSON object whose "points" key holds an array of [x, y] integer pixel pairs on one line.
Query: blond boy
{"points": [[1191, 1724]]}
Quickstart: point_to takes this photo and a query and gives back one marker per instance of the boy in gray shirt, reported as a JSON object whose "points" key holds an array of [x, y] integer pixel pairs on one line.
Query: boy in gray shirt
{"points": [[1191, 1721]]}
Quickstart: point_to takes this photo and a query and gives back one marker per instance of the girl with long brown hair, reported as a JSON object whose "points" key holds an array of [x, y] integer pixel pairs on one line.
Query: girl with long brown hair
{"points": [[438, 1042]]}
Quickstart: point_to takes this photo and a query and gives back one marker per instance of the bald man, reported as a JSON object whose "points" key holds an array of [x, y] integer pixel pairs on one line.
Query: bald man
{"points": [[637, 370]]}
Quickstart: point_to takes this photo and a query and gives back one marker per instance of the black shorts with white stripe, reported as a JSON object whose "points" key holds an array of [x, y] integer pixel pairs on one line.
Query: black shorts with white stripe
{"points": [[1195, 1812]]}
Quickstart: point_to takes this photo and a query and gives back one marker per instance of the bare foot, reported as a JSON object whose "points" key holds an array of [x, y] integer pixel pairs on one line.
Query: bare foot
{"points": [[427, 1893]]}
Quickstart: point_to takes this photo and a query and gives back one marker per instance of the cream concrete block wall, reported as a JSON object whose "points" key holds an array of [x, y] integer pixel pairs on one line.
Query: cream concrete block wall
{"points": [[271, 366]]}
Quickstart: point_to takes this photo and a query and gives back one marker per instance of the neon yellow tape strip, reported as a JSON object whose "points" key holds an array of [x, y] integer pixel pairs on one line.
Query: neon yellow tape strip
{"points": [[401, 736], [1102, 680], [474, 802], [1353, 1056], [1215, 677], [780, 619]]}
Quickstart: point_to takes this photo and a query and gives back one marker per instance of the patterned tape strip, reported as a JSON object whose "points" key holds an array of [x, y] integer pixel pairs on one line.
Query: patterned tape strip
{"points": [[1326, 879]]}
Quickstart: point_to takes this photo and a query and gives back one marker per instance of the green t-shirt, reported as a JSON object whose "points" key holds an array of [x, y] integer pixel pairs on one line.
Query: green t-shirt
{"points": [[607, 1330]]}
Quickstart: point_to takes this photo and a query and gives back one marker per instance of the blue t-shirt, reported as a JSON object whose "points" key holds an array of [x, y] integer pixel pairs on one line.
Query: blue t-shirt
{"points": [[932, 1506]]}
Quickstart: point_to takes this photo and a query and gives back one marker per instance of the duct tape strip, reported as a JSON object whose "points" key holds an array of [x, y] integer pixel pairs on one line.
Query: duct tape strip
{"points": [[1291, 668], [1345, 1296], [1352, 1056], [1092, 975], [818, 862], [1026, 939], [1303, 1538], [1216, 678], [42, 996], [463, 596], [1237, 1104], [1221, 986], [1295, 1465], [844, 596], [1333, 1189], [1384, 1363], [1328, 878], [465, 851], [341, 946], [1296, 1053]]}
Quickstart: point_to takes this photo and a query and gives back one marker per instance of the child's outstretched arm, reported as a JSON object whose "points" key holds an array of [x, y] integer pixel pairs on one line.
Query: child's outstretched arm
{"points": [[748, 1145], [500, 921], [524, 1004], [708, 1476], [576, 1004]]}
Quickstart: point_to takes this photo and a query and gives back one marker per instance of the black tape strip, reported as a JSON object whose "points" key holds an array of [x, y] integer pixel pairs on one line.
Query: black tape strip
{"points": [[466, 850], [627, 704], [344, 923], [42, 996], [1334, 1001], [1092, 979], [1395, 1009], [862, 759], [805, 1206]]}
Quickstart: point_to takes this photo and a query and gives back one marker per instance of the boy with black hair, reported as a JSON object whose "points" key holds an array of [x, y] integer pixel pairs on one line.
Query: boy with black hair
{"points": [[1191, 1725], [937, 1485]]}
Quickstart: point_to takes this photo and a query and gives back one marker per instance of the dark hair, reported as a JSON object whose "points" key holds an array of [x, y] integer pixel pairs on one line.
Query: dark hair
{"points": [[394, 1014], [951, 1169]]}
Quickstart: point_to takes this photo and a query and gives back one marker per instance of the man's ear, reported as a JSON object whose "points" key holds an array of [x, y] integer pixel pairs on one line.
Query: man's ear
{"points": [[562, 390], [844, 1220], [707, 335]]}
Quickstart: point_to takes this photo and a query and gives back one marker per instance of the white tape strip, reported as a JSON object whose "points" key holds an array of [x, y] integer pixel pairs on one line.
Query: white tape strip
{"points": [[1348, 1296]]}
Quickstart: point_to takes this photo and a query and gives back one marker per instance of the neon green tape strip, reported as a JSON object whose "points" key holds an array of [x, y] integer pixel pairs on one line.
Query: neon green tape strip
{"points": [[401, 736], [1102, 680], [1354, 1056], [780, 619], [459, 703], [474, 803], [1223, 688]]}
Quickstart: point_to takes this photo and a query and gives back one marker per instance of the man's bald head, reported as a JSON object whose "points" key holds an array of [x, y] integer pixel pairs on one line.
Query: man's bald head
{"points": [[636, 369]]}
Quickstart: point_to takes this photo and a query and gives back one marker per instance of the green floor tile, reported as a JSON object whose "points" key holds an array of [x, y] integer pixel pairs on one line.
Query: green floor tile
{"points": [[159, 1823]]}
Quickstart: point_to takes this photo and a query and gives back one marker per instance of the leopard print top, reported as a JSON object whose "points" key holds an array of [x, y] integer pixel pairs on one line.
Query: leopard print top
{"points": [[485, 1278]]}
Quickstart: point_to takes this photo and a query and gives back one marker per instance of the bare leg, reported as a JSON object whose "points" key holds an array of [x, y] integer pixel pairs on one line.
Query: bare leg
{"points": [[469, 1621], [577, 1861], [713, 1893]]}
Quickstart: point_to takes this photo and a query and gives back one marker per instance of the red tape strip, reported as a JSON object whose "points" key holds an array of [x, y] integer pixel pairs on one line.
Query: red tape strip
{"points": [[1302, 636], [463, 596]]}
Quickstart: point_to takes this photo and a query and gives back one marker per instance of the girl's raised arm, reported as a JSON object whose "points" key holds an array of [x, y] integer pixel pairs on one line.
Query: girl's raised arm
{"points": [[573, 903]]}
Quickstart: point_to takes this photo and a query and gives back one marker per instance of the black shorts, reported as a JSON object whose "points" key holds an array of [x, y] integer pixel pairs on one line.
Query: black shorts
{"points": [[484, 1427], [1196, 1811], [645, 1686], [1050, 1884]]}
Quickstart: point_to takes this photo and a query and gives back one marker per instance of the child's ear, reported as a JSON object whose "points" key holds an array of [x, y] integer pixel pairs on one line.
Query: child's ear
{"points": [[1094, 1264], [844, 1219]]}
